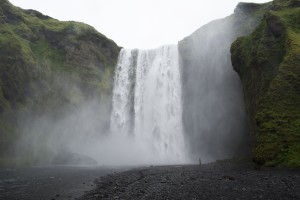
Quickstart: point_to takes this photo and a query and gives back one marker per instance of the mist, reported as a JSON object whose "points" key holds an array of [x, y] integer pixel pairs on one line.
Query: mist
{"points": [[82, 137], [79, 133], [171, 105], [213, 107]]}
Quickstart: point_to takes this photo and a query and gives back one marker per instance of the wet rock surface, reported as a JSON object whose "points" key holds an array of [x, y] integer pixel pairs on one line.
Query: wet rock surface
{"points": [[210, 181]]}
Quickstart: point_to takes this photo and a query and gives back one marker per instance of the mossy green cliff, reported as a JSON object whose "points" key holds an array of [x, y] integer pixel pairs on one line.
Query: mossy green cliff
{"points": [[47, 65], [268, 63]]}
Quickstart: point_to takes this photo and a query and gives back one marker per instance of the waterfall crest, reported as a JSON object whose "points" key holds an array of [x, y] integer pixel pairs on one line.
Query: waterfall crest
{"points": [[147, 103]]}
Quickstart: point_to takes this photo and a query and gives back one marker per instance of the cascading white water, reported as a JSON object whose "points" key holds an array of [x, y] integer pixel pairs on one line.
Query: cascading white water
{"points": [[147, 101]]}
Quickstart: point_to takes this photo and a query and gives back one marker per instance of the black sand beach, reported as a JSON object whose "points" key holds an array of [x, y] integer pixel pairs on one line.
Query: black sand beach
{"points": [[209, 181]]}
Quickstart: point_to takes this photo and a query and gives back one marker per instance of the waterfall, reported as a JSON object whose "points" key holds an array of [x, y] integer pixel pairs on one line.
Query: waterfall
{"points": [[147, 103]]}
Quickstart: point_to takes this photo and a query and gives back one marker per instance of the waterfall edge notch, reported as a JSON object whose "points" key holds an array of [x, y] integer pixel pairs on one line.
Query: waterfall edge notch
{"points": [[147, 105]]}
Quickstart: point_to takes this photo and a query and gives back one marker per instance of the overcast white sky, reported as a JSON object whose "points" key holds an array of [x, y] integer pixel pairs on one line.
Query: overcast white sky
{"points": [[137, 23]]}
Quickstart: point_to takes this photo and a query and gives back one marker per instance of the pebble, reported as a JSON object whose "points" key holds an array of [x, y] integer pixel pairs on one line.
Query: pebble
{"points": [[188, 183]]}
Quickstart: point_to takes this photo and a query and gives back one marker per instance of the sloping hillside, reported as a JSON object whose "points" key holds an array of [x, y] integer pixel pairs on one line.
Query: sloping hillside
{"points": [[47, 65]]}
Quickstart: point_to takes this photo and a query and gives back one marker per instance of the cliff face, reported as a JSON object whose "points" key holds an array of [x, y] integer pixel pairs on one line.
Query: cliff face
{"points": [[213, 111], [268, 63], [47, 65]]}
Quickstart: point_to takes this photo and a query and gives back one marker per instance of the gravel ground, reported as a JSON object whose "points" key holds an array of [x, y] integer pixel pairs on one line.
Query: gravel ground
{"points": [[209, 181]]}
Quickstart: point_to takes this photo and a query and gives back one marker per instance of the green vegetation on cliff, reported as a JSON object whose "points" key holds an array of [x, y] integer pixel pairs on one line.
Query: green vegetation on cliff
{"points": [[46, 65], [268, 62]]}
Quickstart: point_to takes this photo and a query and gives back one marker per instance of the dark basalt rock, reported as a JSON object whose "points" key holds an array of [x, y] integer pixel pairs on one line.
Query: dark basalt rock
{"points": [[246, 8], [275, 25]]}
